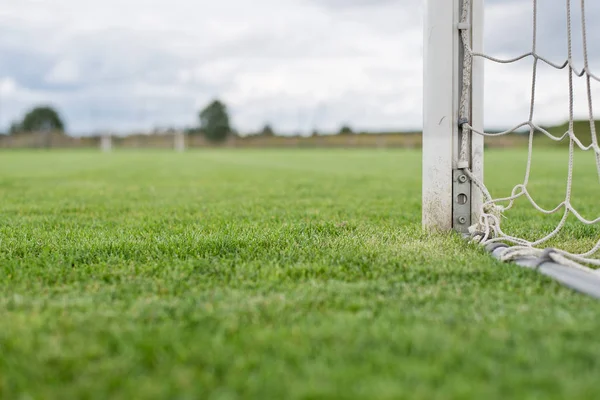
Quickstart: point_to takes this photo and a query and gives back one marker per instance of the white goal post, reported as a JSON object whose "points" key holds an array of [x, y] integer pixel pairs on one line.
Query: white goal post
{"points": [[179, 141], [106, 142], [449, 201], [454, 193]]}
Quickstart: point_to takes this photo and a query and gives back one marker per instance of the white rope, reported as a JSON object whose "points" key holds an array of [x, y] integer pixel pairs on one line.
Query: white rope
{"points": [[488, 229]]}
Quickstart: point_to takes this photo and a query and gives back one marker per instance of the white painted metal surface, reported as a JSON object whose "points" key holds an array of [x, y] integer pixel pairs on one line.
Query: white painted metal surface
{"points": [[477, 102], [440, 95]]}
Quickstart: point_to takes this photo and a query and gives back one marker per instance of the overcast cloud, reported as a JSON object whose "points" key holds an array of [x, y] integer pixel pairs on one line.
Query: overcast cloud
{"points": [[298, 64]]}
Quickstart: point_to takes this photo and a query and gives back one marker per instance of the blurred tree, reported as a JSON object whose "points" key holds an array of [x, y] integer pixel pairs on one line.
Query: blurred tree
{"points": [[267, 130], [345, 130], [42, 118], [214, 122]]}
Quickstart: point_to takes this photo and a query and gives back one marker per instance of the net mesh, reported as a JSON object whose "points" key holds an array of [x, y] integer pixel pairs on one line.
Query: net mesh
{"points": [[489, 228]]}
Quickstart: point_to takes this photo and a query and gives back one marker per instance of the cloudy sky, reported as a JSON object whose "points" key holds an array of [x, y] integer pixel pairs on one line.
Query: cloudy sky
{"points": [[298, 64]]}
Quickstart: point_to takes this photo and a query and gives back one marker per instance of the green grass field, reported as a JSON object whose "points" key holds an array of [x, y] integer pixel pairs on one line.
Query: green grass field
{"points": [[299, 274]]}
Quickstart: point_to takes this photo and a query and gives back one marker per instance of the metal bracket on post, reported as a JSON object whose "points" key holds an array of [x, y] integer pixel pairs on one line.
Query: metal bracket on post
{"points": [[461, 201]]}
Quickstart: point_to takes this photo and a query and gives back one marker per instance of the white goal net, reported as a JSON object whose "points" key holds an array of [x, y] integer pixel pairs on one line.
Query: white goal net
{"points": [[490, 226]]}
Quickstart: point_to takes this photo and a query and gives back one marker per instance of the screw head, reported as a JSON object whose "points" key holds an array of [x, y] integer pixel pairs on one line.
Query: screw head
{"points": [[462, 178], [462, 220]]}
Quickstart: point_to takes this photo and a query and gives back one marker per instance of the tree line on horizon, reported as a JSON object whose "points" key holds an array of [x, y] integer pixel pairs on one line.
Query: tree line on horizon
{"points": [[214, 123]]}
